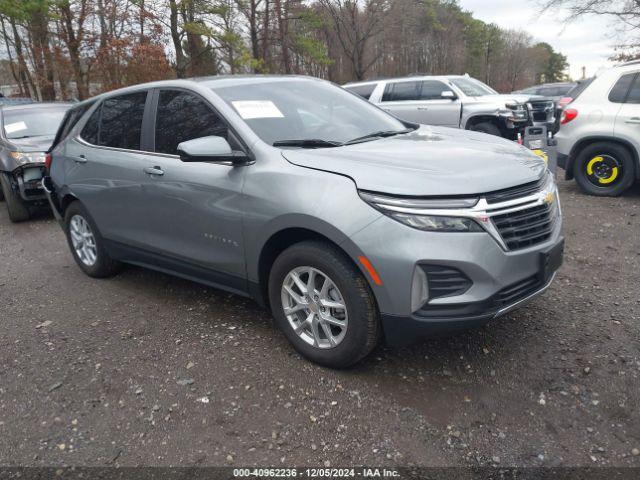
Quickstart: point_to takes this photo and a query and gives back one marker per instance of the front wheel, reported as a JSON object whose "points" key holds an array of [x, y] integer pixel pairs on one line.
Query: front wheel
{"points": [[323, 304], [16, 207], [86, 243], [487, 127]]}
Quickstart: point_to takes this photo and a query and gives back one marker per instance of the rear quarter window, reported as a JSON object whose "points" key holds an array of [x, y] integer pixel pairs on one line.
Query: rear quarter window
{"points": [[618, 93], [91, 129], [363, 91]]}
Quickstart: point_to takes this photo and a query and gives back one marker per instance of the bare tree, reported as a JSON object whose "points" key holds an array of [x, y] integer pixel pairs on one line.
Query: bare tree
{"points": [[355, 23]]}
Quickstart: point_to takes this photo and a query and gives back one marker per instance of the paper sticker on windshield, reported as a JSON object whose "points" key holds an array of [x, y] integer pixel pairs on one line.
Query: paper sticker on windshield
{"points": [[15, 127], [249, 109]]}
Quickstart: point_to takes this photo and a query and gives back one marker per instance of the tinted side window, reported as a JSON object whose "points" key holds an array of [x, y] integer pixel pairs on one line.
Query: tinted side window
{"points": [[364, 91], [183, 116], [634, 93], [619, 91], [432, 90], [580, 87], [70, 120], [401, 91], [121, 121], [92, 127]]}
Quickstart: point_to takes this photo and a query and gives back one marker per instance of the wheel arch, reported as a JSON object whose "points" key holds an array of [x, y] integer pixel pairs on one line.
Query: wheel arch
{"points": [[282, 238], [585, 142], [482, 118]]}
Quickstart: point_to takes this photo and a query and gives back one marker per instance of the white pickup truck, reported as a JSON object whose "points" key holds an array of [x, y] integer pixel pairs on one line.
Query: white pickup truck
{"points": [[458, 101]]}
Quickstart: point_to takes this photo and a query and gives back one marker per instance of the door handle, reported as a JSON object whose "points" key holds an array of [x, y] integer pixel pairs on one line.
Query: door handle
{"points": [[153, 170], [633, 120], [423, 108], [80, 159]]}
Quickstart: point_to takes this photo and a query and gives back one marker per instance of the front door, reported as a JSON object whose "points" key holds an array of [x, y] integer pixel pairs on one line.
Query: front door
{"points": [[193, 208], [421, 102]]}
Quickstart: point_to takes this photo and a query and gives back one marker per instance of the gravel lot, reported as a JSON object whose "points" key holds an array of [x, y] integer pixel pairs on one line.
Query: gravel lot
{"points": [[147, 369]]}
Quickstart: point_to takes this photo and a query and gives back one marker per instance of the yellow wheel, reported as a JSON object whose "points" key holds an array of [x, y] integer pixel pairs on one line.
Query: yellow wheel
{"points": [[604, 169]]}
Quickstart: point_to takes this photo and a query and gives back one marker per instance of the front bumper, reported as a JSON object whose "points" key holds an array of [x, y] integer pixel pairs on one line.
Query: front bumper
{"points": [[28, 179], [401, 331], [501, 280]]}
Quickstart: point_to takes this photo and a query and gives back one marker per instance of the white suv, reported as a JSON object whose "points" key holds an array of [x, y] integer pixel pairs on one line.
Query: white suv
{"points": [[599, 140]]}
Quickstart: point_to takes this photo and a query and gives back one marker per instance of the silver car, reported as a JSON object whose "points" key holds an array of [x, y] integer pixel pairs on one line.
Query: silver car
{"points": [[348, 224], [458, 101]]}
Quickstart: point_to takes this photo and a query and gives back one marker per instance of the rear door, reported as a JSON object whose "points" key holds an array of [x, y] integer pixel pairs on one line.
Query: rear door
{"points": [[104, 166], [192, 209], [402, 99], [421, 101], [627, 125]]}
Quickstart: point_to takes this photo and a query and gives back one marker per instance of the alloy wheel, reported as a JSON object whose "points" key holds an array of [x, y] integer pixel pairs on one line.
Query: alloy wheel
{"points": [[83, 240], [314, 307]]}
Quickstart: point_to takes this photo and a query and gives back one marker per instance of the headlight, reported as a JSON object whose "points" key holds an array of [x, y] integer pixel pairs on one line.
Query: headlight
{"points": [[437, 224], [515, 111], [28, 157], [407, 211]]}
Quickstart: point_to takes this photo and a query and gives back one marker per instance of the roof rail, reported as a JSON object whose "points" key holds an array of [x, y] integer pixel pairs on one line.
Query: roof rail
{"points": [[630, 62]]}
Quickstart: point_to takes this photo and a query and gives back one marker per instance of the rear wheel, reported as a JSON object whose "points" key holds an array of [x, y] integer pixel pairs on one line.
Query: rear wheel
{"points": [[486, 127], [86, 243], [323, 304], [604, 169], [18, 211]]}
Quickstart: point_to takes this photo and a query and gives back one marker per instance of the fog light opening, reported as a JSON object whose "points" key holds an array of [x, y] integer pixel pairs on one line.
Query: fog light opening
{"points": [[419, 289]]}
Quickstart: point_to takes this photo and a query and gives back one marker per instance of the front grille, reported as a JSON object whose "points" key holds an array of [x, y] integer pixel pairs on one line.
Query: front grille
{"points": [[514, 192], [445, 281], [517, 291], [542, 110], [525, 228]]}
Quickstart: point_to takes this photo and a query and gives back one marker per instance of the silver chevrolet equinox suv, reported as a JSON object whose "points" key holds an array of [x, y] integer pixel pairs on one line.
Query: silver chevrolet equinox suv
{"points": [[348, 224]]}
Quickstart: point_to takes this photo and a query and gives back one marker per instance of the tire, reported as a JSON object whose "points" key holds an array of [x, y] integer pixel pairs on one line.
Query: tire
{"points": [[102, 266], [362, 329], [486, 127], [18, 211], [604, 169]]}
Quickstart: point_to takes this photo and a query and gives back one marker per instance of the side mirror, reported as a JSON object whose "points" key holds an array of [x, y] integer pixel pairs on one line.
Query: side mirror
{"points": [[448, 94], [209, 149]]}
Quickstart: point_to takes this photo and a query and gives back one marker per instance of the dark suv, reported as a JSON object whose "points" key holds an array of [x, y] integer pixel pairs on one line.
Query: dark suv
{"points": [[26, 133]]}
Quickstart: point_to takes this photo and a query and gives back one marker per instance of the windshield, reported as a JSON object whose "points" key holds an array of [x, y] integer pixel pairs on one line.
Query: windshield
{"points": [[32, 122], [306, 110], [472, 87]]}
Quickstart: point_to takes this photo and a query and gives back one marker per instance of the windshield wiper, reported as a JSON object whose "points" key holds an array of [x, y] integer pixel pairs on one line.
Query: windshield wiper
{"points": [[380, 134], [307, 143]]}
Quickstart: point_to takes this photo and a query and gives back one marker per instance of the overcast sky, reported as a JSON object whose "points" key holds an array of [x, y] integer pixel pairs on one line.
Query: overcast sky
{"points": [[584, 42]]}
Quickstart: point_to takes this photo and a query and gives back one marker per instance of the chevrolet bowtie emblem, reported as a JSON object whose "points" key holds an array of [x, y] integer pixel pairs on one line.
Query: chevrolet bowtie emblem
{"points": [[549, 198]]}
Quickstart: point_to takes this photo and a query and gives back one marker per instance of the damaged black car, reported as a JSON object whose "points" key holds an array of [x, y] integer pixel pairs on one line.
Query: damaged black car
{"points": [[26, 133]]}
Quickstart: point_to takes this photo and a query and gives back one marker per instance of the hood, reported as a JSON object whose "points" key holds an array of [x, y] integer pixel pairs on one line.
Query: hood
{"points": [[33, 144], [505, 98], [428, 162]]}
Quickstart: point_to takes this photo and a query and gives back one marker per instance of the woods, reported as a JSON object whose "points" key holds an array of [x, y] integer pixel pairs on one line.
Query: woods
{"points": [[72, 49]]}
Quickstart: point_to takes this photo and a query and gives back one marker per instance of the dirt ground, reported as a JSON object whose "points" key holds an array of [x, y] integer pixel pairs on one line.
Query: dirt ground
{"points": [[147, 369]]}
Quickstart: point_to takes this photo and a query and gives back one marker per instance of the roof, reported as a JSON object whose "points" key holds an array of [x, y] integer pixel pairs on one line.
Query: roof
{"points": [[35, 106], [408, 77]]}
